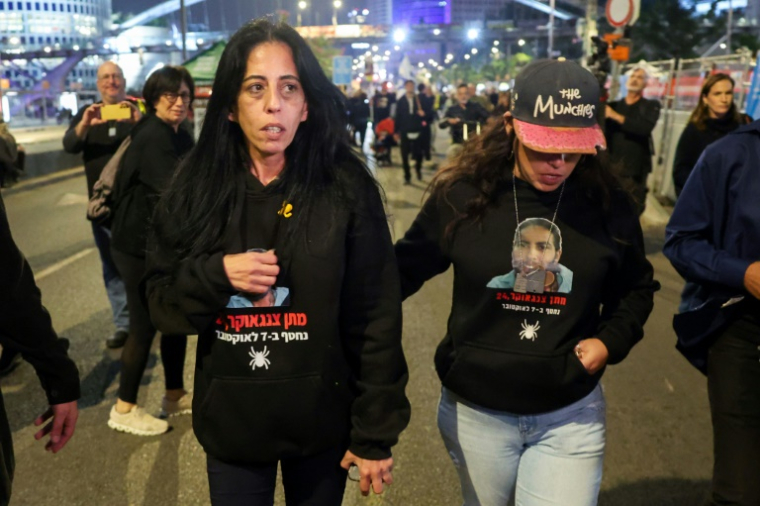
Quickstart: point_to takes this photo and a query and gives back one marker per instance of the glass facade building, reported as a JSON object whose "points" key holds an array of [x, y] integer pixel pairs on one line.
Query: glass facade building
{"points": [[29, 25], [423, 12]]}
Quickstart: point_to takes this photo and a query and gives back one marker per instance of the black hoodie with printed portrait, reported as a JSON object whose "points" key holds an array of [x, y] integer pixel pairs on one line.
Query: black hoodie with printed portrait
{"points": [[321, 366], [513, 351]]}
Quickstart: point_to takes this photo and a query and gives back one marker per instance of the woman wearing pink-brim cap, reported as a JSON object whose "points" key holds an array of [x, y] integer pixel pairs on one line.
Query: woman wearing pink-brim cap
{"points": [[529, 336]]}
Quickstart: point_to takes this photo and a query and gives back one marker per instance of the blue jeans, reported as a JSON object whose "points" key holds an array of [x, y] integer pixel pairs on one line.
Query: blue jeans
{"points": [[117, 293], [552, 459]]}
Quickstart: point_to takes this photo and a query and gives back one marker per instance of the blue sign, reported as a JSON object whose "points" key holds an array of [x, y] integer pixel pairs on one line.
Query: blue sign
{"points": [[753, 97], [342, 69]]}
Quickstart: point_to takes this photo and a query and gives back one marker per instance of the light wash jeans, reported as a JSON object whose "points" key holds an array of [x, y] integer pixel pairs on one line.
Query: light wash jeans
{"points": [[551, 459], [117, 293]]}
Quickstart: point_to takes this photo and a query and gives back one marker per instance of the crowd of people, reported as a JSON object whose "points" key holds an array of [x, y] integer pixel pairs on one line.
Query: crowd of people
{"points": [[268, 239]]}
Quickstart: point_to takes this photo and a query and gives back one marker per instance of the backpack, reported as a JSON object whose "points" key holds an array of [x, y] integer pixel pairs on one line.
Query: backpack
{"points": [[100, 206]]}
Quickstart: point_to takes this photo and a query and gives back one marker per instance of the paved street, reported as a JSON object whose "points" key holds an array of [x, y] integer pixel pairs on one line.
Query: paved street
{"points": [[658, 438]]}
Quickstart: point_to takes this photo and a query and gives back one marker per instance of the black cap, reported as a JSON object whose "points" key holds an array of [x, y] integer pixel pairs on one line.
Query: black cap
{"points": [[555, 105]]}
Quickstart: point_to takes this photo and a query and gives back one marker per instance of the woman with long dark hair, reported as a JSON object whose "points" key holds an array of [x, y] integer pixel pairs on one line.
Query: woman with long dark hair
{"points": [[714, 116], [158, 143], [521, 409], [273, 204]]}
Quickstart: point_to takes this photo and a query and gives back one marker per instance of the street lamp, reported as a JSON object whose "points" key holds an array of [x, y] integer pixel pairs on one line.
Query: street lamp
{"points": [[472, 33], [301, 7], [521, 42], [337, 4], [399, 35]]}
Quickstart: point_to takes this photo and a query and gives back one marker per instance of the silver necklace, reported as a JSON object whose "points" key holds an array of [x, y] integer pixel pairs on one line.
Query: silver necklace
{"points": [[517, 212], [533, 281]]}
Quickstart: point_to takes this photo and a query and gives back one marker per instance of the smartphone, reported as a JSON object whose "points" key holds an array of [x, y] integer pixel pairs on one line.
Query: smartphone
{"points": [[115, 111]]}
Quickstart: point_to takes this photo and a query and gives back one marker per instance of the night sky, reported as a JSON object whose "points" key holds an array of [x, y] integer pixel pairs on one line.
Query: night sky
{"points": [[232, 13]]}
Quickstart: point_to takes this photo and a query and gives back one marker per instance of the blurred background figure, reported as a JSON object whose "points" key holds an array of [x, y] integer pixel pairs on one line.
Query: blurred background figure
{"points": [[383, 103], [98, 139], [358, 112], [715, 116], [629, 125], [463, 117]]}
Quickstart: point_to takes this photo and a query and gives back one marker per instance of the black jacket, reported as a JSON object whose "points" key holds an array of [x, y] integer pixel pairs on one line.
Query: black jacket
{"points": [[630, 144], [407, 122], [328, 369], [145, 171], [98, 146], [471, 115], [25, 326], [512, 351], [693, 142]]}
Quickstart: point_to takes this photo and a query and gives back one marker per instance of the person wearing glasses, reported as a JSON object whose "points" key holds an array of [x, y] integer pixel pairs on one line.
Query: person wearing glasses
{"points": [[98, 140], [158, 143]]}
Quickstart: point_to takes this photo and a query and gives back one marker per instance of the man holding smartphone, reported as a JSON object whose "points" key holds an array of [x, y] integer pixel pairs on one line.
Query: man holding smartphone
{"points": [[97, 131]]}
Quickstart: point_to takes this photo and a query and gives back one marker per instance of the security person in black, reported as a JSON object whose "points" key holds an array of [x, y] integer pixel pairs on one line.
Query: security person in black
{"points": [[629, 125], [98, 140]]}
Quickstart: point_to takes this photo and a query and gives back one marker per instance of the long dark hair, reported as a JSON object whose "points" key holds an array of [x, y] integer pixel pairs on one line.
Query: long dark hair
{"points": [[487, 162], [204, 191], [701, 113]]}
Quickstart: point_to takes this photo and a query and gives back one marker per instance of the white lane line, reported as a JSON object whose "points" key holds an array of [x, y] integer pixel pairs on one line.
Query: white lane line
{"points": [[669, 385], [63, 263]]}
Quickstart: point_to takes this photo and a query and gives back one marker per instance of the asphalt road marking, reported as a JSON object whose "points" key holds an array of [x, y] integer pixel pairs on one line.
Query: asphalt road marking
{"points": [[669, 385], [63, 263]]}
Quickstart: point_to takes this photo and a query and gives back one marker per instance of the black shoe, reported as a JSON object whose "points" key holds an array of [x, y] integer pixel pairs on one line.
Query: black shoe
{"points": [[117, 340], [419, 176], [9, 360]]}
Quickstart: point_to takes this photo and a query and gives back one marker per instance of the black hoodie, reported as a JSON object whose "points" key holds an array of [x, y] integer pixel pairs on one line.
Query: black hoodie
{"points": [[323, 369], [513, 351]]}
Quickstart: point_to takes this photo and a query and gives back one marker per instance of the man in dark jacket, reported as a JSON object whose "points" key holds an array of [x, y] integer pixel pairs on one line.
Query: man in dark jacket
{"points": [[98, 140], [465, 114], [629, 125], [26, 327], [410, 122], [712, 240]]}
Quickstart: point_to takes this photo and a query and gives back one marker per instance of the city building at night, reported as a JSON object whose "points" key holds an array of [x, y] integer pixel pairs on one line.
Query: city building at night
{"points": [[28, 25]]}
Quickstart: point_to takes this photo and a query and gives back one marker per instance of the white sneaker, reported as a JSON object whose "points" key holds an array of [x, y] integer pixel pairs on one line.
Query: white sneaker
{"points": [[183, 406], [137, 422]]}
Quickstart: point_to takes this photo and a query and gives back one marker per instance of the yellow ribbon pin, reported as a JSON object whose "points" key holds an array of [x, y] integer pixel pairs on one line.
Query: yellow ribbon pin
{"points": [[287, 210]]}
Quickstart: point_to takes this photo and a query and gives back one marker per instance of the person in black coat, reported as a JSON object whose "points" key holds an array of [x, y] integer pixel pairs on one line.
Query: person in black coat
{"points": [[465, 113], [715, 116], [97, 140], [410, 122], [427, 101], [629, 125], [25, 327], [158, 143], [358, 110]]}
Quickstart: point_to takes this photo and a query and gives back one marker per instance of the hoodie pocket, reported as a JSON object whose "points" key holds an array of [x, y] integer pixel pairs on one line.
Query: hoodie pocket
{"points": [[518, 383], [257, 421]]}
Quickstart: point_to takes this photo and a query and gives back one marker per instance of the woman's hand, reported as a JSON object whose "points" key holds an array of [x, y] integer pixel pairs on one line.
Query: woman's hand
{"points": [[593, 354], [371, 472], [252, 272]]}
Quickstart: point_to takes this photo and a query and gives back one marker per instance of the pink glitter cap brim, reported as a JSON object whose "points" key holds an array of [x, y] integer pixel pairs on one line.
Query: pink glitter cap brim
{"points": [[560, 139]]}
